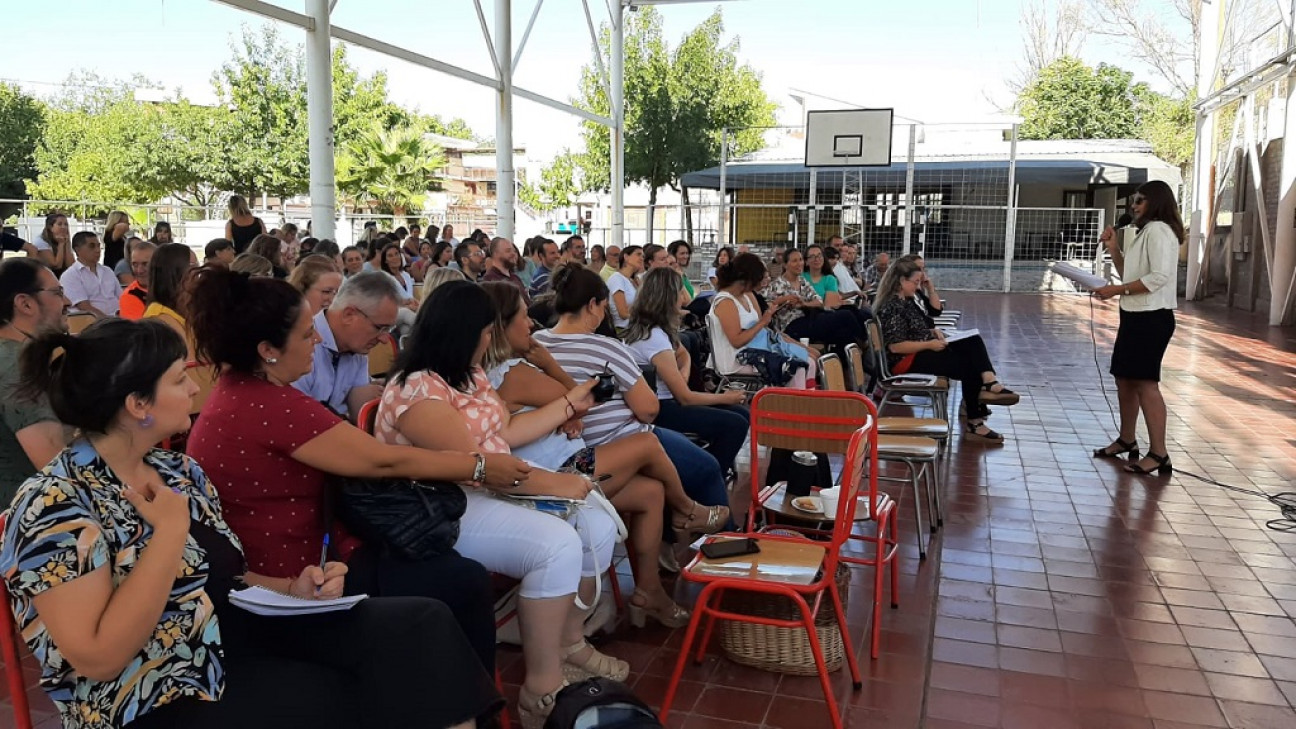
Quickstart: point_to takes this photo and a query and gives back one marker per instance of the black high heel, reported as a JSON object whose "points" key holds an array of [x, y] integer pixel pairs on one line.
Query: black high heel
{"points": [[1130, 448], [1163, 467]]}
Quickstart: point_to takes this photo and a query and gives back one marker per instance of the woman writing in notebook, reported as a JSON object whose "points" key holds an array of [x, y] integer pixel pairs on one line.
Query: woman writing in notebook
{"points": [[120, 564], [914, 346]]}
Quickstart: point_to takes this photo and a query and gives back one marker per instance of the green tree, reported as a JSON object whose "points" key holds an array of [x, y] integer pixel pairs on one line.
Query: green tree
{"points": [[557, 187], [390, 169], [22, 123], [85, 156], [1170, 125], [1069, 100], [677, 104]]}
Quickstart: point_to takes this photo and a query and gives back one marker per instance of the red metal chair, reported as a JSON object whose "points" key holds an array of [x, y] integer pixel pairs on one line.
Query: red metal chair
{"points": [[795, 567], [821, 421], [9, 653]]}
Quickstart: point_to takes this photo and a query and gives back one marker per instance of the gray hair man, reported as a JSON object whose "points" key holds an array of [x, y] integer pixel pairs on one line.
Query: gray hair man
{"points": [[358, 320]]}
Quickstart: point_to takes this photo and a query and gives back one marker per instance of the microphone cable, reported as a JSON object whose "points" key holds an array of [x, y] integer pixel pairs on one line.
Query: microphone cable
{"points": [[1285, 500]]}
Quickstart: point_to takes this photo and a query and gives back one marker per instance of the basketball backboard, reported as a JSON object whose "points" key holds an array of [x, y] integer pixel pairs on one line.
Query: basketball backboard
{"points": [[848, 138]]}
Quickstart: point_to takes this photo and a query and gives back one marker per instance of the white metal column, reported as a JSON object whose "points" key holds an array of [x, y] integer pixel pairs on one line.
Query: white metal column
{"points": [[617, 97], [1283, 272], [909, 208], [812, 212], [723, 226], [505, 185], [1010, 225], [1203, 196], [319, 119]]}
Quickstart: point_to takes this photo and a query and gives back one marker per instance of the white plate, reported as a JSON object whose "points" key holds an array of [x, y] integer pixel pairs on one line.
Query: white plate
{"points": [[808, 504]]}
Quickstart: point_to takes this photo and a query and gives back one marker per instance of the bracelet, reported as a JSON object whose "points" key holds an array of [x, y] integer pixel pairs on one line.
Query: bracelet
{"points": [[570, 406], [479, 471]]}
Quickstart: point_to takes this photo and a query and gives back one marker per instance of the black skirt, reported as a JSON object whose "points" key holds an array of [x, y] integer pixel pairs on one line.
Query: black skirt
{"points": [[1141, 343]]}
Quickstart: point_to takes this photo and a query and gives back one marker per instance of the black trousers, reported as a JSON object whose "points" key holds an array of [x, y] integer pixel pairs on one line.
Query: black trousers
{"points": [[461, 583], [830, 326], [387, 662], [964, 361]]}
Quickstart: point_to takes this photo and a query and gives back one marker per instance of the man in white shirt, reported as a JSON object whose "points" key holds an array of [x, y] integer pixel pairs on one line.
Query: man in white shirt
{"points": [[846, 285], [88, 284]]}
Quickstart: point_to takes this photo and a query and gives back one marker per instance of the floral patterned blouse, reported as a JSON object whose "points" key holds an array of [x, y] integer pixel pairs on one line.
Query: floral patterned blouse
{"points": [[483, 411], [901, 321], [780, 286], [71, 519]]}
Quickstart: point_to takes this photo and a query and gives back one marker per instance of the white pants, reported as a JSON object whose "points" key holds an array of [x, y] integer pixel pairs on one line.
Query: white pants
{"points": [[544, 552]]}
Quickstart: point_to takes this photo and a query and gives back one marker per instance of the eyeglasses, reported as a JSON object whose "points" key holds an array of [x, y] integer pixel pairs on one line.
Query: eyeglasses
{"points": [[57, 291], [377, 327], [814, 256]]}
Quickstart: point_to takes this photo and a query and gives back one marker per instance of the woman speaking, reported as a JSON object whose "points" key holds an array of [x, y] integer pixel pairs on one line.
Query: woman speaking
{"points": [[1149, 269]]}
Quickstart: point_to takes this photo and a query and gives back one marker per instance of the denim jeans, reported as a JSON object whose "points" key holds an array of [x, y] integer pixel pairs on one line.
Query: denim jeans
{"points": [[724, 427]]}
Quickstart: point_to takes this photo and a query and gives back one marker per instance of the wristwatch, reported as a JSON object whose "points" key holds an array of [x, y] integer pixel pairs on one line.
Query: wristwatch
{"points": [[1125, 291]]}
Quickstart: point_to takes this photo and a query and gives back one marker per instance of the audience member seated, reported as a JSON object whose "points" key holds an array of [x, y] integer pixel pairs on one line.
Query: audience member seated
{"points": [[581, 301], [873, 274], [800, 311], [352, 261], [422, 263], [219, 250], [318, 279], [120, 563], [502, 265], [623, 286], [31, 303], [269, 247], [253, 265], [546, 259], [909, 336], [927, 298], [123, 268], [271, 450], [641, 476], [90, 285], [54, 244], [440, 399], [356, 322], [736, 313], [392, 263], [134, 300], [611, 262], [723, 256], [678, 256], [167, 300], [470, 260], [653, 335]]}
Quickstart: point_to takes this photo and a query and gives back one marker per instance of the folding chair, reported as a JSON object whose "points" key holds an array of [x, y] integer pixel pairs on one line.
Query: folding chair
{"points": [[802, 570], [896, 386], [918, 451], [749, 381], [9, 653]]}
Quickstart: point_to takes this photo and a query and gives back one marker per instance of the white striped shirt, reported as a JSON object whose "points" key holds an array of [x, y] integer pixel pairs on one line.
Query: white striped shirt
{"points": [[584, 355]]}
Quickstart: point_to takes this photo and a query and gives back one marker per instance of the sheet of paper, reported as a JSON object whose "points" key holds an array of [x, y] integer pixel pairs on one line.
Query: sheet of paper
{"points": [[260, 601], [953, 335], [1079, 275]]}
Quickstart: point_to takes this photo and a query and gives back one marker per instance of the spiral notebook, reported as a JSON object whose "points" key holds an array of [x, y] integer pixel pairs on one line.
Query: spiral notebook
{"points": [[260, 601]]}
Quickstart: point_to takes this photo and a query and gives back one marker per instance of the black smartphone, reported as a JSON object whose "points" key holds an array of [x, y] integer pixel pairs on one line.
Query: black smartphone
{"points": [[730, 548]]}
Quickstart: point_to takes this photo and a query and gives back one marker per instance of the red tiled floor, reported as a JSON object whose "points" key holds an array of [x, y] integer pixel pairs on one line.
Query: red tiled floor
{"points": [[1062, 592]]}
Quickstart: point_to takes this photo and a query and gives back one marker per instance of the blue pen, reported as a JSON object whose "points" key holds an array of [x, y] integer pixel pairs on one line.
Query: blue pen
{"points": [[323, 557]]}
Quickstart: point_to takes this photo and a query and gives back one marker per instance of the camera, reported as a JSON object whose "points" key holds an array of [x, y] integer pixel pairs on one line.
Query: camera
{"points": [[605, 388]]}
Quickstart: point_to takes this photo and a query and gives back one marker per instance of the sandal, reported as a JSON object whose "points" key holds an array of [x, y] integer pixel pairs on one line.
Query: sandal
{"points": [[1162, 467], [973, 432], [715, 520], [1131, 448], [1003, 396], [671, 615], [595, 664], [534, 710]]}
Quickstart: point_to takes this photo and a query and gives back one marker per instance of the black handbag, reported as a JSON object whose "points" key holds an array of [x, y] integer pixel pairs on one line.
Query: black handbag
{"points": [[410, 520]]}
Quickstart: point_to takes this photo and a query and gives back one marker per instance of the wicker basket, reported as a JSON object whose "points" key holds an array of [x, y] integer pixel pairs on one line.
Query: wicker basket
{"points": [[782, 650]]}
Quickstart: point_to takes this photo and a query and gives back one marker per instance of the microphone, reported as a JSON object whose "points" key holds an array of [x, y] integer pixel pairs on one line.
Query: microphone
{"points": [[1124, 220]]}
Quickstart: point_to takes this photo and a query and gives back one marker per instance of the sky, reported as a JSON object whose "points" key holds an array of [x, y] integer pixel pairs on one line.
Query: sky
{"points": [[931, 60]]}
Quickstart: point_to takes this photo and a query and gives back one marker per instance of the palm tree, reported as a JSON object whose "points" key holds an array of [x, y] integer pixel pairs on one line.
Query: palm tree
{"points": [[390, 169]]}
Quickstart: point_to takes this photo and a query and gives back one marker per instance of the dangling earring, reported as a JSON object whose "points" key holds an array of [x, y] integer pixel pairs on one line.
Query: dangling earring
{"points": [[146, 421], [271, 360]]}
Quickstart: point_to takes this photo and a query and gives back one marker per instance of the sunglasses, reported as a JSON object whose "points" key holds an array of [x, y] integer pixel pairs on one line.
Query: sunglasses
{"points": [[1139, 199]]}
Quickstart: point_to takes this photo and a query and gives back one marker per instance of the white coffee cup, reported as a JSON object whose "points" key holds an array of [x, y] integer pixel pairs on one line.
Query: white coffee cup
{"points": [[830, 498], [805, 342]]}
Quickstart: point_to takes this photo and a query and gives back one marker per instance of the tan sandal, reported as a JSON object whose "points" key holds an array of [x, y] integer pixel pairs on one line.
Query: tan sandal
{"points": [[535, 710], [596, 664], [671, 615], [716, 517]]}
